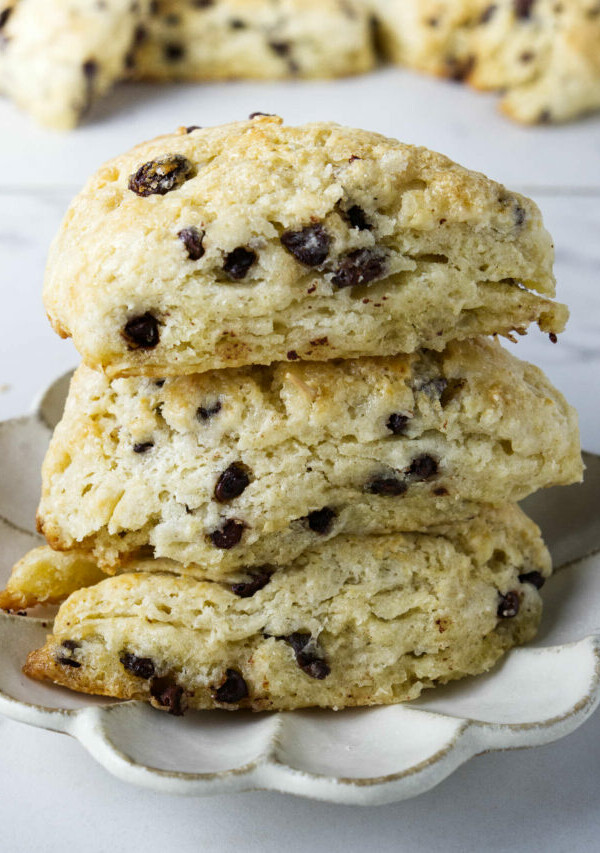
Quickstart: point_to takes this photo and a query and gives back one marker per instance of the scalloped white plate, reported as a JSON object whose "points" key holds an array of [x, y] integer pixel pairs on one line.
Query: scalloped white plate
{"points": [[375, 755]]}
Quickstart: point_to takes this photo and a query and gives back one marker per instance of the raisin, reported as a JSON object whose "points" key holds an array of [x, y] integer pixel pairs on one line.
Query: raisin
{"points": [[359, 267], [422, 468], [320, 520], [143, 446], [238, 262], [205, 413], [397, 423], [168, 694], [308, 655], [523, 8], [508, 606], [310, 246], [232, 482], [357, 218], [386, 486], [192, 240], [140, 667], [142, 332], [233, 689], [228, 535], [258, 580], [159, 177], [536, 579]]}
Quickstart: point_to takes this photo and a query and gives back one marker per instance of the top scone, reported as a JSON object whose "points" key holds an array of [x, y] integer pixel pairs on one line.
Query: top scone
{"points": [[254, 242]]}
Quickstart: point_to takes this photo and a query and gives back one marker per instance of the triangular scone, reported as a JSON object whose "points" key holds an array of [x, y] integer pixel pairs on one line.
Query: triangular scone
{"points": [[255, 242], [355, 621], [253, 465]]}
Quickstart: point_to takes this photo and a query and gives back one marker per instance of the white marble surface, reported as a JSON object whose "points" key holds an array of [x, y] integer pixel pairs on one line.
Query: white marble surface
{"points": [[52, 794]]}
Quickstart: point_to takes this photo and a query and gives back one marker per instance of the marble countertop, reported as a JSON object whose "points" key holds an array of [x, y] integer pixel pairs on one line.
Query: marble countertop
{"points": [[52, 794]]}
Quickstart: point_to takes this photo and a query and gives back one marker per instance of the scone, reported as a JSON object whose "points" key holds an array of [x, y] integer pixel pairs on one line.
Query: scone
{"points": [[58, 56], [226, 39], [544, 56], [356, 621], [253, 465], [254, 242]]}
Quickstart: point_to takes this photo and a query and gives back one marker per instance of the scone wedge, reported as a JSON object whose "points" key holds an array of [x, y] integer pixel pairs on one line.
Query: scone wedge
{"points": [[355, 621], [253, 465], [255, 242]]}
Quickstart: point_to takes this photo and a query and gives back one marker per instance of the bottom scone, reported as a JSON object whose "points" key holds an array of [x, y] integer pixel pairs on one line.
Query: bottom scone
{"points": [[356, 621]]}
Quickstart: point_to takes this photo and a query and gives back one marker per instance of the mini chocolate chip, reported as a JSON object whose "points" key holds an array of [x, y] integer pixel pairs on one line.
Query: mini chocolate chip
{"points": [[143, 446], [233, 689], [237, 24], [357, 218], [397, 423], [168, 694], [537, 579], [238, 262], [310, 246], [192, 240], [142, 331], [459, 69], [523, 8], [159, 177], [228, 535], [141, 667], [71, 645], [359, 267], [203, 4], [257, 114], [553, 338], [4, 16], [292, 355], [308, 655], [68, 661], [320, 520], [258, 580], [205, 413], [545, 117], [440, 492], [90, 68], [488, 14], [422, 468], [433, 387], [232, 482], [173, 52], [508, 606], [192, 127], [519, 214], [281, 48], [159, 383], [386, 486]]}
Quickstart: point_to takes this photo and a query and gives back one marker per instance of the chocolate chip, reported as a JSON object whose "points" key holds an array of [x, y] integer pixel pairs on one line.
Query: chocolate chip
{"points": [[386, 486], [258, 580], [192, 240], [553, 338], [143, 446], [68, 661], [233, 689], [357, 218], [422, 468], [359, 267], [537, 579], [308, 655], [205, 413], [159, 177], [71, 645], [508, 606], [228, 535], [142, 332], [310, 246], [232, 482], [238, 262], [523, 8], [192, 127], [159, 383], [488, 14], [168, 694], [320, 520], [173, 52], [140, 667], [397, 423], [4, 16]]}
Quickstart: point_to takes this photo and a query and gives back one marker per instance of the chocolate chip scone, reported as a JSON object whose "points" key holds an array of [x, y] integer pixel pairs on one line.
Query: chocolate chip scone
{"points": [[225, 39], [543, 55], [253, 465], [357, 621], [254, 242], [58, 56]]}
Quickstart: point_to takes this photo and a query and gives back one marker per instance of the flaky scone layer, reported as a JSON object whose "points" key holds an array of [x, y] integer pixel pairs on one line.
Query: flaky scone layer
{"points": [[355, 621], [249, 466]]}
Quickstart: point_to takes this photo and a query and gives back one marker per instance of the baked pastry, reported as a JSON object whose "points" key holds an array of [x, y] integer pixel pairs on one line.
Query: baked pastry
{"points": [[252, 465], [58, 56], [543, 56], [226, 39], [356, 621], [254, 242]]}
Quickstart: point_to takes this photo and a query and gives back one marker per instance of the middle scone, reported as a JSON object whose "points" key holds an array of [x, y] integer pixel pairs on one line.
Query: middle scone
{"points": [[249, 466]]}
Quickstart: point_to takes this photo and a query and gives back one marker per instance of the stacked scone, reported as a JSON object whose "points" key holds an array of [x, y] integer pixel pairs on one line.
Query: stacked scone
{"points": [[288, 468]]}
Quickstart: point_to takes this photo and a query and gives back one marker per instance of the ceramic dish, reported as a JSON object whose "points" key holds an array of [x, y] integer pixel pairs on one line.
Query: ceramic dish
{"points": [[375, 755]]}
